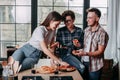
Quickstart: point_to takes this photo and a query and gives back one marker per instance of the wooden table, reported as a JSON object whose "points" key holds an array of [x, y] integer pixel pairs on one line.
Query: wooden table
{"points": [[75, 74]]}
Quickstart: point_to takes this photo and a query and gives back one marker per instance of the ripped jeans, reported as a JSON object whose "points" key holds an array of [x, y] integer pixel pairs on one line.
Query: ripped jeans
{"points": [[73, 61], [66, 55], [27, 56]]}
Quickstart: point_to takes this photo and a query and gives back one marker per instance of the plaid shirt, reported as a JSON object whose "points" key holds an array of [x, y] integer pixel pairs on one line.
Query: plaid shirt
{"points": [[65, 37], [98, 37]]}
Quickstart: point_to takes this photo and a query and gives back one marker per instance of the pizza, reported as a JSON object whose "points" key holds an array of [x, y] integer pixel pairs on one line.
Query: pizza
{"points": [[62, 67], [67, 68], [45, 69]]}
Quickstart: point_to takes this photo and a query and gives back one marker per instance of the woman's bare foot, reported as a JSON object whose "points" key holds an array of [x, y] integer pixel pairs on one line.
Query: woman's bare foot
{"points": [[15, 67], [14, 64]]}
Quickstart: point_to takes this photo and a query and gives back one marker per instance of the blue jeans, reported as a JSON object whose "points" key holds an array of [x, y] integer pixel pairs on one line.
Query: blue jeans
{"points": [[66, 56], [73, 61], [91, 75], [27, 56]]}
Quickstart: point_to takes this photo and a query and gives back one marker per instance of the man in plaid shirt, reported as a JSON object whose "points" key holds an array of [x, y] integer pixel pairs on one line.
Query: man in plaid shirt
{"points": [[66, 36], [95, 42]]}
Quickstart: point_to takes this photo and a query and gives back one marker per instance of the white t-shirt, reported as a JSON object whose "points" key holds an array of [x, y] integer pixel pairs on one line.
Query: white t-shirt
{"points": [[41, 34]]}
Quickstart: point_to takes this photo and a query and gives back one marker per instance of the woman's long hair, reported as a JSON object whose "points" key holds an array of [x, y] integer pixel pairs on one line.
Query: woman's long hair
{"points": [[52, 16]]}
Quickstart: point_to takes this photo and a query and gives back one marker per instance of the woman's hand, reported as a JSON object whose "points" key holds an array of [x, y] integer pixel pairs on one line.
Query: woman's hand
{"points": [[64, 63], [53, 63]]}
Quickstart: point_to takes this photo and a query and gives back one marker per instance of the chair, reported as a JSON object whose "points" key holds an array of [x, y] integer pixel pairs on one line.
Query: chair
{"points": [[107, 72]]}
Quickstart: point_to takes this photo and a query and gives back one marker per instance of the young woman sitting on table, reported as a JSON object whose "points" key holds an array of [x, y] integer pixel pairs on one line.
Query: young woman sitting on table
{"points": [[42, 36]]}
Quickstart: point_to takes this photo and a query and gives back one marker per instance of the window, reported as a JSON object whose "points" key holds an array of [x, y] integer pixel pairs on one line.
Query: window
{"points": [[15, 23], [16, 19], [61, 5]]}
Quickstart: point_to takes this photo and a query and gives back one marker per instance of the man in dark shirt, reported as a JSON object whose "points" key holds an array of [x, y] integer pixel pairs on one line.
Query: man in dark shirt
{"points": [[70, 37]]}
